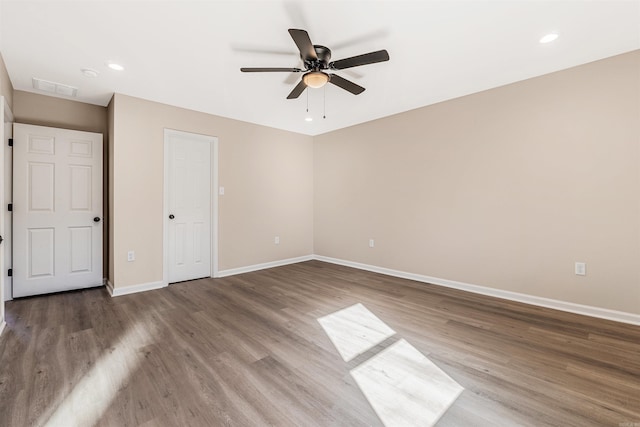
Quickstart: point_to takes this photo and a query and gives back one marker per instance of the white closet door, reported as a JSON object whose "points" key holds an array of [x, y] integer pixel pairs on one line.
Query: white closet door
{"points": [[57, 210], [189, 187]]}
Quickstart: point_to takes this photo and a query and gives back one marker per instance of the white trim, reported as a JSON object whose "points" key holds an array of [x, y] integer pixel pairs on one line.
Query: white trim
{"points": [[127, 290], [165, 210], [6, 292], [214, 202], [214, 208], [597, 312], [109, 287], [603, 313], [256, 267], [2, 325]]}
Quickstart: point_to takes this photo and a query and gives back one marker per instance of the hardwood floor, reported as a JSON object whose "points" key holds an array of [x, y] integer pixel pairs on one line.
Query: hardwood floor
{"points": [[248, 350]]}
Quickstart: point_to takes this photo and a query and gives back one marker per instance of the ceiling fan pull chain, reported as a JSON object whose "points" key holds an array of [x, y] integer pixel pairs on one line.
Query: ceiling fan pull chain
{"points": [[307, 101], [324, 104]]}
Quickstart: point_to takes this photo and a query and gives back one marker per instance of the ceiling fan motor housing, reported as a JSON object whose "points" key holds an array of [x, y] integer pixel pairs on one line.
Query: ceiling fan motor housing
{"points": [[324, 55]]}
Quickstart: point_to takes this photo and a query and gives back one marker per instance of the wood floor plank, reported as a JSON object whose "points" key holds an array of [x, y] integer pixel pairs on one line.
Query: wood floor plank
{"points": [[248, 350]]}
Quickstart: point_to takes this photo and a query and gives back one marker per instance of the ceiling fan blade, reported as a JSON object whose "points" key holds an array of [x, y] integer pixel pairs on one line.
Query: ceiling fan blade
{"points": [[302, 40], [361, 38], [297, 91], [345, 84], [269, 70], [266, 50], [356, 61]]}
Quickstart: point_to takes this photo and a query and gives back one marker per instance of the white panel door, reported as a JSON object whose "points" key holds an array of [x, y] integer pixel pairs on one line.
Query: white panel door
{"points": [[189, 206], [57, 210]]}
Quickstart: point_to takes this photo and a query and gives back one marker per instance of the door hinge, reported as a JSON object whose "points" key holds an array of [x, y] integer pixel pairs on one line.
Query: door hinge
{"points": [[10, 272], [10, 207], [10, 142]]}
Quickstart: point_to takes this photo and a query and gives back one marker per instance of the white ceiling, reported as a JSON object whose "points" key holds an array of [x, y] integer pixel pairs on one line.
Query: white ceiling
{"points": [[188, 53]]}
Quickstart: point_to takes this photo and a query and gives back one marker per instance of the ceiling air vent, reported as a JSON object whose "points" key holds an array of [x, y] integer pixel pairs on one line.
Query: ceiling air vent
{"points": [[52, 87]]}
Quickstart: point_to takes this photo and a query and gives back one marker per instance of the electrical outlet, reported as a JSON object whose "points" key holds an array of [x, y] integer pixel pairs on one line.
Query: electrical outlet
{"points": [[277, 240], [371, 243], [131, 256], [581, 268], [221, 191]]}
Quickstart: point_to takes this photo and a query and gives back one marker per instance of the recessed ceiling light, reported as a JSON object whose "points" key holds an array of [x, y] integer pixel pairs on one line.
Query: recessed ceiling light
{"points": [[308, 119], [115, 66], [549, 38], [88, 72]]}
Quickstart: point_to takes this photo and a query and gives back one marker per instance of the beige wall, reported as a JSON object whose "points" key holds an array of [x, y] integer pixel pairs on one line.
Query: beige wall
{"points": [[267, 175], [506, 188], [41, 110], [6, 88]]}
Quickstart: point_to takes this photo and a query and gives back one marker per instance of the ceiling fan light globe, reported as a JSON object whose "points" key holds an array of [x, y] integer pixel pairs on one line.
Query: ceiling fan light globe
{"points": [[315, 79]]}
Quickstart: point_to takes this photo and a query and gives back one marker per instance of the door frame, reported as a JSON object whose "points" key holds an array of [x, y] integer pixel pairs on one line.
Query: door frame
{"points": [[5, 292], [214, 201]]}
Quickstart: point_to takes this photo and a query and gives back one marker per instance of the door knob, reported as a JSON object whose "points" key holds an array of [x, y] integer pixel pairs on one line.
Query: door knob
{"points": [[171, 216], [1, 239], [96, 219]]}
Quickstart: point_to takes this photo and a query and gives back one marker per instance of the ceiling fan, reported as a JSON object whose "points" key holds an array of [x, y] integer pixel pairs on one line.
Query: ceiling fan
{"points": [[316, 64]]}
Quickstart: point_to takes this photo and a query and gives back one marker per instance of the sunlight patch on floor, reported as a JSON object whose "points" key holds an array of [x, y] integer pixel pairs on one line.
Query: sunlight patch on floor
{"points": [[354, 330], [403, 387], [92, 395]]}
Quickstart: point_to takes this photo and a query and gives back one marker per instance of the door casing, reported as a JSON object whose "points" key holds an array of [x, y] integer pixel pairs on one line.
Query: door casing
{"points": [[7, 175], [5, 198]]}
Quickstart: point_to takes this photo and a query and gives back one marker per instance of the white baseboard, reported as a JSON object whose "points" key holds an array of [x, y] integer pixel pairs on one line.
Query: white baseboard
{"points": [[256, 267], [134, 289], [224, 273], [2, 325], [603, 313], [109, 287]]}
